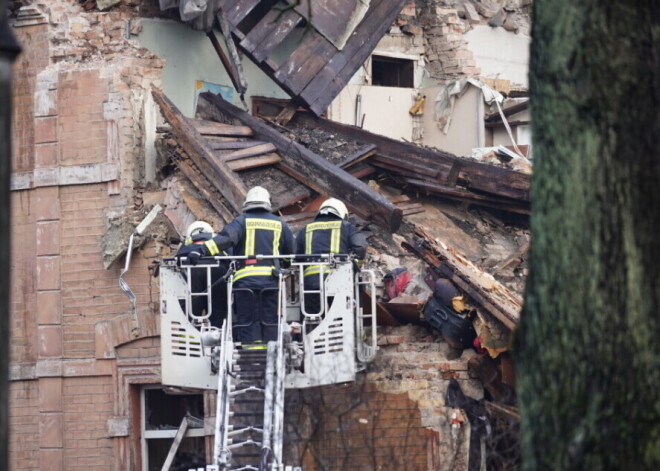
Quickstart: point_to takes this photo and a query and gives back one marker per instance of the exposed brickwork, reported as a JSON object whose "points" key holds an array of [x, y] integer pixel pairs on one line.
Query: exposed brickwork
{"points": [[80, 89], [357, 427], [88, 403], [32, 60], [82, 127], [24, 425], [23, 346]]}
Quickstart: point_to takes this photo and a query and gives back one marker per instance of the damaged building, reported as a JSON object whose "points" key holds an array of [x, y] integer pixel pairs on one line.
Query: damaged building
{"points": [[134, 118]]}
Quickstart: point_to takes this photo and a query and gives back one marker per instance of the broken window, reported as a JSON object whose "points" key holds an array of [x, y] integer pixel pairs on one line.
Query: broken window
{"points": [[162, 417], [392, 72]]}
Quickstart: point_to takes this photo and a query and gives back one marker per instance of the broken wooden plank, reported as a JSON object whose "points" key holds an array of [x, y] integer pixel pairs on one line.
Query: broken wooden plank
{"points": [[303, 64], [253, 151], [232, 144], [240, 84], [218, 173], [253, 162], [315, 171], [213, 128], [399, 199], [472, 174], [187, 168], [284, 116], [236, 10], [491, 295], [412, 168], [269, 32], [362, 170], [411, 208], [358, 156], [471, 197], [517, 256], [230, 67], [334, 76]]}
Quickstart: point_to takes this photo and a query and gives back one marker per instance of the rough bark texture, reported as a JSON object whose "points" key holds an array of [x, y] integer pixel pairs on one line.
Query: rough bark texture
{"points": [[587, 348]]}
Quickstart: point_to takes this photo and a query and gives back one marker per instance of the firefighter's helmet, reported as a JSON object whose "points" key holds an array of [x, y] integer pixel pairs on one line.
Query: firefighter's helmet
{"points": [[198, 227], [257, 197], [334, 206]]}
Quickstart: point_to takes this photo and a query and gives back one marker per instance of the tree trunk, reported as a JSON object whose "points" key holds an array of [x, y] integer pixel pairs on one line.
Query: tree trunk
{"points": [[588, 349]]}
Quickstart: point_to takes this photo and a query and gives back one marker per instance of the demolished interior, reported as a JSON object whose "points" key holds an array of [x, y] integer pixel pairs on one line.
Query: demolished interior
{"points": [[438, 394]]}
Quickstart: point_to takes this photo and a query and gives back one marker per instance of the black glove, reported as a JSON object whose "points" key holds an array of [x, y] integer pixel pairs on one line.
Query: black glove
{"points": [[193, 257]]}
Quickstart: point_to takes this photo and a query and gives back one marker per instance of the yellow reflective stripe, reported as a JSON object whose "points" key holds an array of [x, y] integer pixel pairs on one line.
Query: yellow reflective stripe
{"points": [[212, 246], [315, 270], [319, 226], [308, 241], [253, 271], [253, 224], [276, 242], [335, 235]]}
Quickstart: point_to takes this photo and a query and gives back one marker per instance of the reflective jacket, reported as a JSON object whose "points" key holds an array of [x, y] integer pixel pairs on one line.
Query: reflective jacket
{"points": [[256, 232], [330, 234]]}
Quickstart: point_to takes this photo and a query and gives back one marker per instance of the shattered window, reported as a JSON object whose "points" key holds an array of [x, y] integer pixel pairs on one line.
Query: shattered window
{"points": [[392, 72], [162, 416]]}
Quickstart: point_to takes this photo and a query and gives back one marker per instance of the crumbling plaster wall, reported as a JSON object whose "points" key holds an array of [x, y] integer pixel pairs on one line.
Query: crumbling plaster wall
{"points": [[189, 56], [449, 40]]}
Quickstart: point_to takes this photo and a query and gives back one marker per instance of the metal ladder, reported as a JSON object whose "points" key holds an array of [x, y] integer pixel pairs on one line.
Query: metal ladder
{"points": [[250, 403]]}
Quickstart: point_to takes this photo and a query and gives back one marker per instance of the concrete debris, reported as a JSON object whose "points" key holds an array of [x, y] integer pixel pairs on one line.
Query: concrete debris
{"points": [[498, 19], [106, 4]]}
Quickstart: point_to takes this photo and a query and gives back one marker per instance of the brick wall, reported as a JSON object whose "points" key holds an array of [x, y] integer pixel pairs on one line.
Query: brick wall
{"points": [[357, 427], [24, 425], [77, 153], [87, 406], [30, 62]]}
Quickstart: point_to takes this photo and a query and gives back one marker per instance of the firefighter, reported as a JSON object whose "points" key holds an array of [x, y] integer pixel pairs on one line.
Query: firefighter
{"points": [[255, 232], [330, 233], [198, 233]]}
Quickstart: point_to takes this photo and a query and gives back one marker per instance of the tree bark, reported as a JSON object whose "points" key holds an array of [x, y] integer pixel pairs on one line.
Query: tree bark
{"points": [[587, 349]]}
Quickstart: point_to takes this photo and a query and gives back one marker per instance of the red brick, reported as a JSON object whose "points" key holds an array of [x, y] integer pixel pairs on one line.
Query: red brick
{"points": [[50, 430], [45, 155], [49, 307], [51, 459], [46, 204], [45, 130], [50, 341], [48, 273], [50, 395], [48, 238]]}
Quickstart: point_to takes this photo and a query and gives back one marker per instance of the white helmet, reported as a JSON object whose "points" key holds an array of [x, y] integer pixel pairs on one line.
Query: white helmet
{"points": [[334, 206], [257, 197], [198, 227]]}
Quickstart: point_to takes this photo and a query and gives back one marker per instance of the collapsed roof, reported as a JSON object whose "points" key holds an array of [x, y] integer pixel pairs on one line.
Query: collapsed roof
{"points": [[338, 37], [226, 150]]}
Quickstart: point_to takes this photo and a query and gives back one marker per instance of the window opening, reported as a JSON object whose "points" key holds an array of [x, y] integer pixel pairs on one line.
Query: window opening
{"points": [[162, 415], [392, 72]]}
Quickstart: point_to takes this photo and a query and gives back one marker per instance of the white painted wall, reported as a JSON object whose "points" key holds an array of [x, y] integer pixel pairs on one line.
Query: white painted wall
{"points": [[189, 57], [385, 109], [466, 130], [500, 53]]}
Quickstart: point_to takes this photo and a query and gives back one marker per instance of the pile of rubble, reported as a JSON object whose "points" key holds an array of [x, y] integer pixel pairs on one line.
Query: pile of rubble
{"points": [[470, 235]]}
